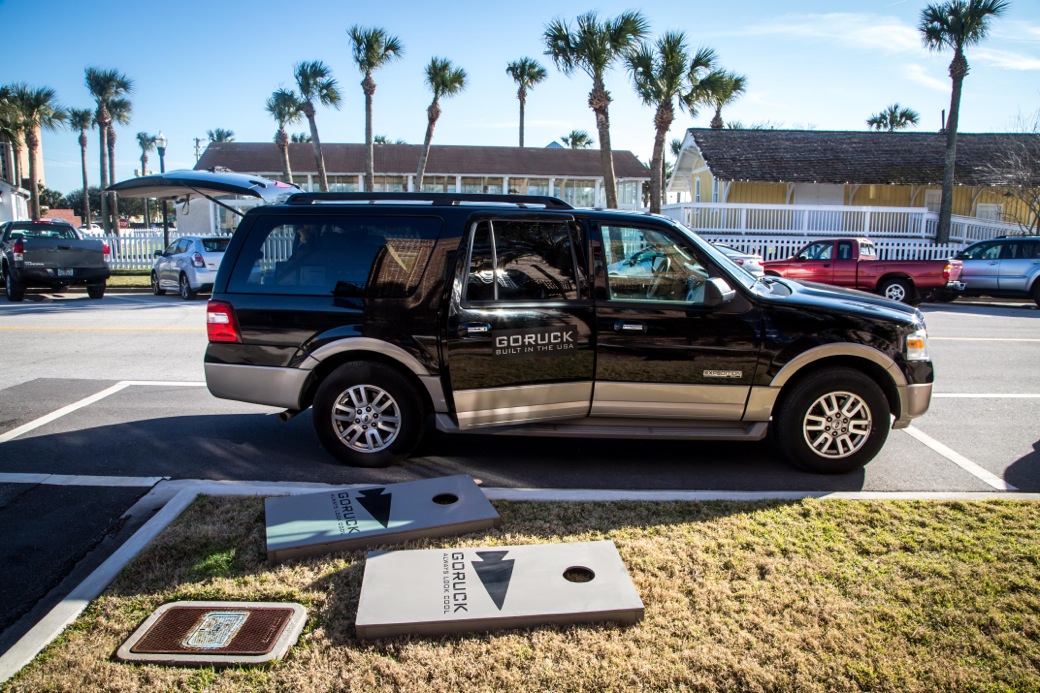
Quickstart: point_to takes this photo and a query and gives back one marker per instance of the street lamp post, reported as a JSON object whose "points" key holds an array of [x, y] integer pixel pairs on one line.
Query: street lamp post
{"points": [[160, 146]]}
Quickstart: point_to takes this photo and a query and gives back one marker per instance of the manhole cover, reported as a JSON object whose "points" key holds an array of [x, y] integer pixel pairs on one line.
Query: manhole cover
{"points": [[213, 633]]}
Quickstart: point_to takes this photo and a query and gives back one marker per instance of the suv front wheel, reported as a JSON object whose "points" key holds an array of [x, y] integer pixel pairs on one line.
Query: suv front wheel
{"points": [[832, 422], [367, 414]]}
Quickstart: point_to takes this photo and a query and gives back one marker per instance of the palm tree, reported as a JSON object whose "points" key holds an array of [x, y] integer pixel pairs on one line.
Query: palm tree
{"points": [[383, 139], [893, 118], [104, 86], [38, 109], [300, 138], [443, 79], [373, 48], [147, 144], [526, 73], [11, 129], [577, 139], [593, 47], [119, 111], [955, 24], [82, 119], [221, 135], [315, 82], [285, 107], [720, 88], [660, 73]]}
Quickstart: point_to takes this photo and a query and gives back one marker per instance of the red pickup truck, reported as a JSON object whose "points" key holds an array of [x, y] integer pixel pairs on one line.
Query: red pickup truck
{"points": [[853, 263]]}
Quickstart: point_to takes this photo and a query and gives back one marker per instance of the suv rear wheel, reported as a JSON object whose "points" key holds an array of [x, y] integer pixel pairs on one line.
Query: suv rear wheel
{"points": [[832, 422], [367, 414], [1036, 292], [14, 290]]}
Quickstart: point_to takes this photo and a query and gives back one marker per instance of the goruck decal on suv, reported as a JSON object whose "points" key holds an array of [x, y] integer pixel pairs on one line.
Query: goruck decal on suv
{"points": [[515, 314]]}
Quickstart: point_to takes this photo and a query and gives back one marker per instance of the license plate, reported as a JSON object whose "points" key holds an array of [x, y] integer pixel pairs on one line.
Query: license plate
{"points": [[66, 272]]}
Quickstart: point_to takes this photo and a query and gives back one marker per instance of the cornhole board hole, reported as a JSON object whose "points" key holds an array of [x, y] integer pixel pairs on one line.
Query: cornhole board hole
{"points": [[215, 633], [439, 591], [354, 518]]}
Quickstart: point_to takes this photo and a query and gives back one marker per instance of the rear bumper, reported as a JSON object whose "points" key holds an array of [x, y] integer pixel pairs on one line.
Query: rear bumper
{"points": [[955, 285], [35, 277]]}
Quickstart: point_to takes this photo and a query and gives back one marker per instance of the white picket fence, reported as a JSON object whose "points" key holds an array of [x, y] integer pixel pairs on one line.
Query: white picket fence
{"points": [[134, 250]]}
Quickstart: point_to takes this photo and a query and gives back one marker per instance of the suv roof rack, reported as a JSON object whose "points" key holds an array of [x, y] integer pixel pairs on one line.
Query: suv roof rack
{"points": [[439, 199]]}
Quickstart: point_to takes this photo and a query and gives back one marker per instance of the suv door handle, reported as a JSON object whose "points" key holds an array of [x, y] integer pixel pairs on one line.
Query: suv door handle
{"points": [[476, 329], [626, 327]]}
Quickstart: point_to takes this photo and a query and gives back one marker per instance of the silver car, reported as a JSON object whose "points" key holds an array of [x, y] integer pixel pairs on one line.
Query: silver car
{"points": [[749, 261], [189, 265], [1008, 267]]}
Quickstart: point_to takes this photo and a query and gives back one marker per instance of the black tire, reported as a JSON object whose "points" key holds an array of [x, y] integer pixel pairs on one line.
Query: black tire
{"points": [[185, 288], [366, 440], [801, 414], [898, 290], [96, 291], [156, 289], [1035, 293], [13, 289]]}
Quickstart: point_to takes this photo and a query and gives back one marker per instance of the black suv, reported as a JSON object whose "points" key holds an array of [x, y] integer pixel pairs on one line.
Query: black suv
{"points": [[521, 315]]}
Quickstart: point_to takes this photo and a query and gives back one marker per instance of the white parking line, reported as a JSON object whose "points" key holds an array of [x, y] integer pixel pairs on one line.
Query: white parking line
{"points": [[960, 460], [980, 395], [86, 401]]}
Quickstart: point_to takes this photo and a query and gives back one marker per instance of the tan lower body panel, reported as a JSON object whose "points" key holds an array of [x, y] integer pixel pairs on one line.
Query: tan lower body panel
{"points": [[510, 405], [652, 401]]}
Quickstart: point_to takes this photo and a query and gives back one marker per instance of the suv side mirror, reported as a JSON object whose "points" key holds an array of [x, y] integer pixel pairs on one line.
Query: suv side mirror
{"points": [[717, 292], [158, 253]]}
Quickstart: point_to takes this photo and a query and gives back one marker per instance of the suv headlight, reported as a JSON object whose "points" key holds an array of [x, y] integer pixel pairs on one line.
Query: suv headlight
{"points": [[917, 345]]}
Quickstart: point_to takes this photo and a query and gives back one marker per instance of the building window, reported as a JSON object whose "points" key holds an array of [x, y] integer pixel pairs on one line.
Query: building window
{"points": [[343, 184], [438, 184], [528, 186], [390, 184], [578, 193], [990, 212], [696, 189], [628, 193], [474, 184], [304, 181], [714, 189], [932, 200]]}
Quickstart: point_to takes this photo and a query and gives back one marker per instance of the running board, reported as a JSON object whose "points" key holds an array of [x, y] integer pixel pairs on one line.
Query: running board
{"points": [[591, 428]]}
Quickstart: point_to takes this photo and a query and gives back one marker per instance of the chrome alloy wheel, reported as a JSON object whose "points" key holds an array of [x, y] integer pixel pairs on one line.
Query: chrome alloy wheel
{"points": [[366, 418], [837, 425]]}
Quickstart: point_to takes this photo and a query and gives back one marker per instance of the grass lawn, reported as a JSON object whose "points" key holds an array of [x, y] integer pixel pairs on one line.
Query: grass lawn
{"points": [[129, 279], [816, 595]]}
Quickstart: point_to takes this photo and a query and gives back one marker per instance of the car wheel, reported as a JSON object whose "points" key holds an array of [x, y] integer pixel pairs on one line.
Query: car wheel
{"points": [[14, 290], [185, 288], [96, 291], [1036, 292], [898, 290], [832, 422], [156, 289], [367, 414]]}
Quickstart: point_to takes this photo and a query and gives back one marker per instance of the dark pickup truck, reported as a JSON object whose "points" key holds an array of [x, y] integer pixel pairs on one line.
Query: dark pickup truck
{"points": [[51, 255], [853, 263]]}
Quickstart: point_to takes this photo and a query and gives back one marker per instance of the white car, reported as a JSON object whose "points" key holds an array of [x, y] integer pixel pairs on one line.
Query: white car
{"points": [[189, 265], [749, 261], [91, 230]]}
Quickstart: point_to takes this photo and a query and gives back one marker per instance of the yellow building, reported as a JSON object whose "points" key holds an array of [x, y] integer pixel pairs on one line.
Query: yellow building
{"points": [[859, 169]]}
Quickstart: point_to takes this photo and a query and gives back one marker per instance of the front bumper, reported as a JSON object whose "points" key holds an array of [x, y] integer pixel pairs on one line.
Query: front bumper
{"points": [[916, 399]]}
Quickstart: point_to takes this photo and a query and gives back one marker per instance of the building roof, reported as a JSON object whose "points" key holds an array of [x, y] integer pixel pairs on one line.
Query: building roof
{"points": [[403, 159], [812, 156]]}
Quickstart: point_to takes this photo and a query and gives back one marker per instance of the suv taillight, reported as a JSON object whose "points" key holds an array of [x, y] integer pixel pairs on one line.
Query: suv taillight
{"points": [[197, 260], [221, 323], [18, 250]]}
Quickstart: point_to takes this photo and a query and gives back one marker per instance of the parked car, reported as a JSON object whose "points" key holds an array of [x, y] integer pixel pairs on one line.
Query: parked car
{"points": [[188, 265], [51, 255], [749, 261], [853, 263], [500, 314], [92, 230], [1008, 267]]}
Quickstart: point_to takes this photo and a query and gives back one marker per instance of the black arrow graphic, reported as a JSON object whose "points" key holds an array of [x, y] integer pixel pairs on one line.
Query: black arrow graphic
{"points": [[377, 504], [494, 573]]}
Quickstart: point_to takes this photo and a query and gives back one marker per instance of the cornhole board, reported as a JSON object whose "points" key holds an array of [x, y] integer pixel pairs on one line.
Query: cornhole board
{"points": [[439, 591], [353, 518], [206, 633]]}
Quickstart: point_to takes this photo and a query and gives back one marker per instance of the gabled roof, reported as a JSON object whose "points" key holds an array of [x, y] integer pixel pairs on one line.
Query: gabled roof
{"points": [[812, 156], [403, 159]]}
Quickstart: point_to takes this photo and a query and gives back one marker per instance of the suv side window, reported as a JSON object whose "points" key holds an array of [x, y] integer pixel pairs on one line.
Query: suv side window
{"points": [[1021, 250], [521, 261], [370, 256], [982, 251], [648, 265]]}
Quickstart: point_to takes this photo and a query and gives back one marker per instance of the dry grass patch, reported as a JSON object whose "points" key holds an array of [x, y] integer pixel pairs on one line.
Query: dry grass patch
{"points": [[807, 596]]}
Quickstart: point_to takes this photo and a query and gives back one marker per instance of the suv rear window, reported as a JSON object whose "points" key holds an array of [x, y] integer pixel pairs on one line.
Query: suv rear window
{"points": [[215, 245], [371, 256], [31, 230]]}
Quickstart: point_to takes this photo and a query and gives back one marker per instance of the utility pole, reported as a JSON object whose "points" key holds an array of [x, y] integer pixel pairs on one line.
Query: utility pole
{"points": [[198, 149]]}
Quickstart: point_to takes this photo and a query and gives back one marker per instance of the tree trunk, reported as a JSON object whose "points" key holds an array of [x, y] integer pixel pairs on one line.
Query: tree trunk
{"points": [[144, 172], [86, 186], [716, 122], [958, 70], [106, 221], [522, 95], [662, 122], [282, 140], [369, 87], [432, 114], [32, 143], [114, 202], [319, 160], [599, 101]]}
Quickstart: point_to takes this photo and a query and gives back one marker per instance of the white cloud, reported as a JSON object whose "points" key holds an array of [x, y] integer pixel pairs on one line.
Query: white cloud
{"points": [[873, 32], [917, 73], [1004, 59]]}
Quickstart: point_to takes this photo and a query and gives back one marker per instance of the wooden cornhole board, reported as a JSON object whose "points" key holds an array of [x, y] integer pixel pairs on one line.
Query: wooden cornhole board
{"points": [[207, 633], [438, 591], [353, 518]]}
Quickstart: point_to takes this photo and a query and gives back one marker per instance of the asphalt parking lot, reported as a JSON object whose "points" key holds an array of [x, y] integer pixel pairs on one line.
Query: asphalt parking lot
{"points": [[103, 400]]}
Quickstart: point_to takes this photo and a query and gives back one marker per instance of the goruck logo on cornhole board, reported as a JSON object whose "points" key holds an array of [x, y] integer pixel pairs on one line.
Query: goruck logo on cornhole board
{"points": [[352, 518], [438, 591]]}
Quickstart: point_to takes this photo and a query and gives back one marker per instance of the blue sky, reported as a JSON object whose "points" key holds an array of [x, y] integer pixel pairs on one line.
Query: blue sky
{"points": [[827, 65]]}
